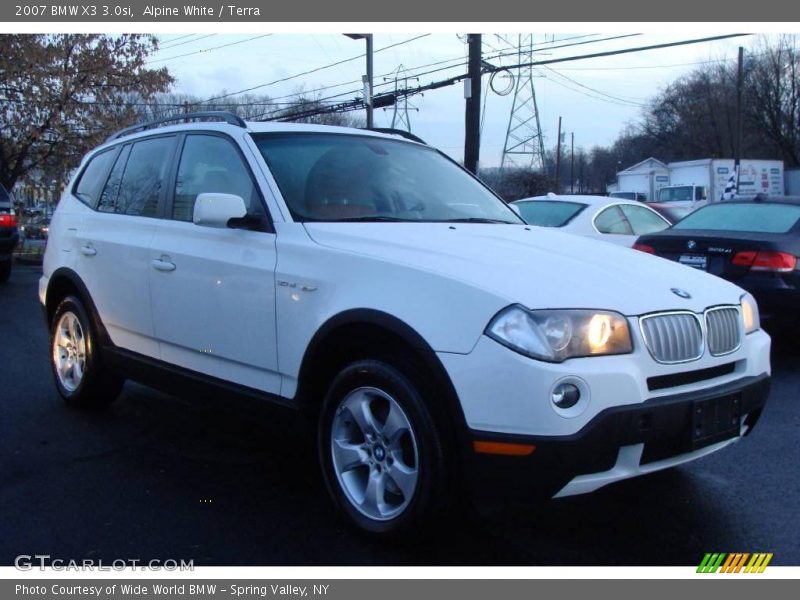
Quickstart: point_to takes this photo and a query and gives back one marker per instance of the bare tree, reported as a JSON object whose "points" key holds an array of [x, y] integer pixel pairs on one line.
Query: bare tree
{"points": [[58, 93], [773, 97]]}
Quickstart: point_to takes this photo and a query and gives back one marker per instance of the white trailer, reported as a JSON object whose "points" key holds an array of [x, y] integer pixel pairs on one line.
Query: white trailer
{"points": [[755, 177], [646, 178]]}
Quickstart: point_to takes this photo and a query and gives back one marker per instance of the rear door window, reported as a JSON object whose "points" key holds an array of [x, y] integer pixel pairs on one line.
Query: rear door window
{"points": [[136, 185], [643, 220], [611, 220]]}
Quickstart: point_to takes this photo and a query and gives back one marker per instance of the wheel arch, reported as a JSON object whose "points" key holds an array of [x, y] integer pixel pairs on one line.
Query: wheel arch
{"points": [[66, 282], [369, 333]]}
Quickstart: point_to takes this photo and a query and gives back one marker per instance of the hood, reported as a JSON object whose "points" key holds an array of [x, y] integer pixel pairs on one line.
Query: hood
{"points": [[534, 266]]}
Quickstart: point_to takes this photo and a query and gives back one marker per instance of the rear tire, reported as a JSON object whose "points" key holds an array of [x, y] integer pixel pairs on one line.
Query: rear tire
{"points": [[382, 456], [78, 370]]}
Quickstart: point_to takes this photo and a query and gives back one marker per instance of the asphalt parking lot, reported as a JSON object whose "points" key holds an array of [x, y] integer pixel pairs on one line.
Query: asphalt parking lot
{"points": [[157, 477]]}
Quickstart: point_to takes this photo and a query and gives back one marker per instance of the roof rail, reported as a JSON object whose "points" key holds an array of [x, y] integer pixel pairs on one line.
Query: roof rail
{"points": [[401, 132], [217, 115]]}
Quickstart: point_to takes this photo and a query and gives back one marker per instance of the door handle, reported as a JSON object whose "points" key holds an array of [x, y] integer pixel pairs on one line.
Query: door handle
{"points": [[163, 264], [88, 250]]}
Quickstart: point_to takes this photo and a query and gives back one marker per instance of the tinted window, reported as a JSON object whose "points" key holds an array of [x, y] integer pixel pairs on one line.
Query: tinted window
{"points": [[108, 197], [94, 176], [756, 218], [143, 179], [611, 220], [333, 177], [549, 214], [212, 164], [643, 220]]}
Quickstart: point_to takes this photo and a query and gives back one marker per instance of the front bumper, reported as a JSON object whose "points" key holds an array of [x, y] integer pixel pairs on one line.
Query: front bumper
{"points": [[618, 443]]}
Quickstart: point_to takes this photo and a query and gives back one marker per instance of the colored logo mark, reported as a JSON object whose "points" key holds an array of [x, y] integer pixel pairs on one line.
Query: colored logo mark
{"points": [[735, 562]]}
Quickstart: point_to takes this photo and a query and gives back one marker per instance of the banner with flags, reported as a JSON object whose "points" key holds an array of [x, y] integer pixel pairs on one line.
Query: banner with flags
{"points": [[731, 188]]}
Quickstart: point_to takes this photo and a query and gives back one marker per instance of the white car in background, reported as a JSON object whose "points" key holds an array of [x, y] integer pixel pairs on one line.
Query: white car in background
{"points": [[609, 219]]}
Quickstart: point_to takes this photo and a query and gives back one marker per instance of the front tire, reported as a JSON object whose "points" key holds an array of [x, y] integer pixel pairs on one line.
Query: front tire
{"points": [[382, 455], [80, 377]]}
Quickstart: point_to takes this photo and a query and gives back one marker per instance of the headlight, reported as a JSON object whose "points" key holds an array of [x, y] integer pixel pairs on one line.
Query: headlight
{"points": [[556, 335], [752, 321]]}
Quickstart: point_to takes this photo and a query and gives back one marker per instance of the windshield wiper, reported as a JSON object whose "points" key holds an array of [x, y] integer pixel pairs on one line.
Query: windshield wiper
{"points": [[370, 218], [478, 220]]}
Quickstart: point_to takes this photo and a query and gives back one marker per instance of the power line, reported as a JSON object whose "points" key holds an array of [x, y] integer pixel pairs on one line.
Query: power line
{"points": [[624, 51], [168, 45], [209, 49], [412, 71], [310, 71], [356, 104], [630, 100], [171, 41]]}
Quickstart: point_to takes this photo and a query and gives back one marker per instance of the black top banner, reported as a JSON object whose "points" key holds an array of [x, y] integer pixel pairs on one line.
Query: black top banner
{"points": [[453, 11]]}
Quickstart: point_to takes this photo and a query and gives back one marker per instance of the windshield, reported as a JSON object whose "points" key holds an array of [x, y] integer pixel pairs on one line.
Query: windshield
{"points": [[546, 213], [335, 177], [755, 218], [675, 194]]}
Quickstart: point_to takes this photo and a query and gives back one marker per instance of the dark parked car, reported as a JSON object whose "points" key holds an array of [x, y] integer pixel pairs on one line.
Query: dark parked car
{"points": [[9, 233], [37, 228], [753, 243]]}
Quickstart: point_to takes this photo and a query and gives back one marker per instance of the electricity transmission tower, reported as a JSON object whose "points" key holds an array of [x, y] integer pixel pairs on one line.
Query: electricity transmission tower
{"points": [[400, 118], [524, 145]]}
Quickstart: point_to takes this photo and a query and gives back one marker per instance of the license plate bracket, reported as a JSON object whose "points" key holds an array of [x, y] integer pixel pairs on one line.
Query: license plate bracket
{"points": [[715, 419]]}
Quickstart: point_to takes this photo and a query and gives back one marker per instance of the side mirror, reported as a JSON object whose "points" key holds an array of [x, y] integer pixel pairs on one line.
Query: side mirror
{"points": [[216, 210]]}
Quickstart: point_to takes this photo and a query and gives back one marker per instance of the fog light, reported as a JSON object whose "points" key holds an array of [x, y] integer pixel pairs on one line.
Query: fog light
{"points": [[565, 395]]}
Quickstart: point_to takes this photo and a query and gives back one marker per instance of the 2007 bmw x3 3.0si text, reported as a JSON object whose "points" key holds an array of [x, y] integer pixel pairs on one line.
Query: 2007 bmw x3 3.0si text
{"points": [[440, 343]]}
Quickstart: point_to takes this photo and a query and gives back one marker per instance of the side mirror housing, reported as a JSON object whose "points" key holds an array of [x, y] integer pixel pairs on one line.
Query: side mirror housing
{"points": [[216, 210]]}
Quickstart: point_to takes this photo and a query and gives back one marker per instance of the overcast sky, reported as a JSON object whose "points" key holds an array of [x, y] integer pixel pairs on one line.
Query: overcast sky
{"points": [[596, 97]]}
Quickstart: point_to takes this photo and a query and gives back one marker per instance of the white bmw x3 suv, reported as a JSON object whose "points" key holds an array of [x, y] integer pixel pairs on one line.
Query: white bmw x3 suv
{"points": [[371, 282]]}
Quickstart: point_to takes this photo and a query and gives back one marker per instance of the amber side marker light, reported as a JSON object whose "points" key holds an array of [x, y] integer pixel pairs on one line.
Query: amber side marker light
{"points": [[503, 448]]}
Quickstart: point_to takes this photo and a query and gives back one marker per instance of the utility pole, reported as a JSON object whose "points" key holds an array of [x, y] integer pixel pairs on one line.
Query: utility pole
{"points": [[572, 163], [558, 158], [367, 79], [739, 85], [472, 113], [370, 121]]}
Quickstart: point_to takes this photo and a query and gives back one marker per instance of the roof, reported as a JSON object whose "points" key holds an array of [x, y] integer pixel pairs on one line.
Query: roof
{"points": [[225, 121], [762, 198], [702, 162], [589, 200], [647, 163]]}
